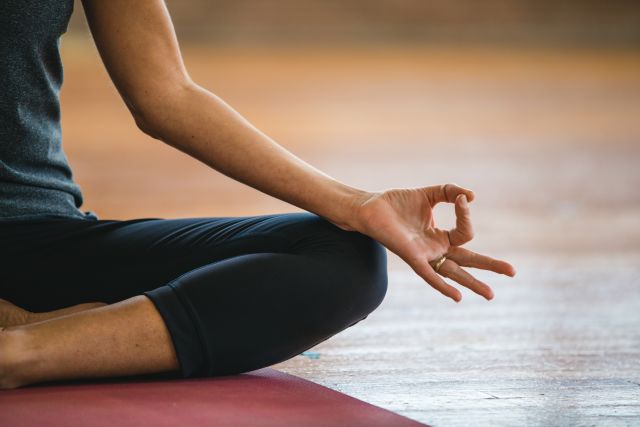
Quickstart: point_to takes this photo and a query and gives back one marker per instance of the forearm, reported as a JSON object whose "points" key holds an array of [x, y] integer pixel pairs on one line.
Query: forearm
{"points": [[203, 126]]}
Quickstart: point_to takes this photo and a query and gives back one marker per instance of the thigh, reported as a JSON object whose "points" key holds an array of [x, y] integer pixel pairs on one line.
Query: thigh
{"points": [[58, 262]]}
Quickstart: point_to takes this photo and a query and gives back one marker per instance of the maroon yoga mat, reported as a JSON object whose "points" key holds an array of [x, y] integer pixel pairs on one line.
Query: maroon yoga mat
{"points": [[261, 398]]}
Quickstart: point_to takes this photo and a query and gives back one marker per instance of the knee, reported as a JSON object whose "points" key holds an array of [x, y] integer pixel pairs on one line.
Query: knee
{"points": [[359, 263], [365, 263], [374, 274]]}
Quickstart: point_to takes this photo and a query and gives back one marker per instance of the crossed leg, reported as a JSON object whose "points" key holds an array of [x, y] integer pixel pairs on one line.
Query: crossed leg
{"points": [[125, 338], [257, 291]]}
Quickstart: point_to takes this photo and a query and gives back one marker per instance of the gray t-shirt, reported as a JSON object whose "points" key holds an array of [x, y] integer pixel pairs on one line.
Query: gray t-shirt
{"points": [[35, 177]]}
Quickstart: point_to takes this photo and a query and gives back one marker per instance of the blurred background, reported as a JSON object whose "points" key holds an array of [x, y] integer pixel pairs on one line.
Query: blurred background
{"points": [[534, 104], [568, 22]]}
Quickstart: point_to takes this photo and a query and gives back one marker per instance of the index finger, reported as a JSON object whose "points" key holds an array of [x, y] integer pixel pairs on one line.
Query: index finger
{"points": [[463, 231]]}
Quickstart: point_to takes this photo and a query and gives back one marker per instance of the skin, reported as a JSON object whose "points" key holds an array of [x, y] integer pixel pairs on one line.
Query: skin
{"points": [[141, 53]]}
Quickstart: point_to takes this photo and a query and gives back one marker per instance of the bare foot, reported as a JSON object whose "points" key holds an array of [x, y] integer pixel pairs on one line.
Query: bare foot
{"points": [[121, 339], [8, 352], [12, 315]]}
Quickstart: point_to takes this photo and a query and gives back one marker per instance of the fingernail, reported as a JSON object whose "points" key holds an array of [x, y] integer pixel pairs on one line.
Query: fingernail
{"points": [[463, 201]]}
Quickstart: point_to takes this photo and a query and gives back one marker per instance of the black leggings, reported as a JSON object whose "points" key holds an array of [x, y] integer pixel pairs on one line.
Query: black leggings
{"points": [[236, 293]]}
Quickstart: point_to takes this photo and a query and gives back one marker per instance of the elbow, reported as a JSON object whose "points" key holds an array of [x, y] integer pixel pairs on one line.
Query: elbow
{"points": [[145, 122], [154, 110]]}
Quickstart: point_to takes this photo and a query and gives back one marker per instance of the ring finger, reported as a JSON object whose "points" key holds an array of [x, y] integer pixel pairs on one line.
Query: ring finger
{"points": [[453, 271], [467, 258]]}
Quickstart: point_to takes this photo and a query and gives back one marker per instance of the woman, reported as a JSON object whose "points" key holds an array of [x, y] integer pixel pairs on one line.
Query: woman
{"points": [[89, 297]]}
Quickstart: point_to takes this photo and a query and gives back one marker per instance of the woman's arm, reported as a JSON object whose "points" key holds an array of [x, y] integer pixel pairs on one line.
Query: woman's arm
{"points": [[138, 46]]}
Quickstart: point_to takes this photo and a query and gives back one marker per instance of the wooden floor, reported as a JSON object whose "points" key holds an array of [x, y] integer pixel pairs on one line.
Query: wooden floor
{"points": [[550, 142]]}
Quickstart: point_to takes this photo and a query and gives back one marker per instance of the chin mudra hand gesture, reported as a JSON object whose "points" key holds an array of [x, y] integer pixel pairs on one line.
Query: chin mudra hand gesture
{"points": [[402, 220]]}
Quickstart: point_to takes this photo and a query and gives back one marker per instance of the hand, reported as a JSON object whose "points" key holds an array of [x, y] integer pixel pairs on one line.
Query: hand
{"points": [[402, 220]]}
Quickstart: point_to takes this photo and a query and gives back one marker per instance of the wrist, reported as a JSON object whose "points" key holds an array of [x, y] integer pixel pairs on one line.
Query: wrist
{"points": [[348, 216]]}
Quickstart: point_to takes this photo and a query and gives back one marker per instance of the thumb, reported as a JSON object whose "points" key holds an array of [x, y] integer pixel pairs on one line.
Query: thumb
{"points": [[447, 193]]}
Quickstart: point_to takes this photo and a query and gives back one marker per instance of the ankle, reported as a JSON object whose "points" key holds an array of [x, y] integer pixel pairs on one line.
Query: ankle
{"points": [[14, 357]]}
